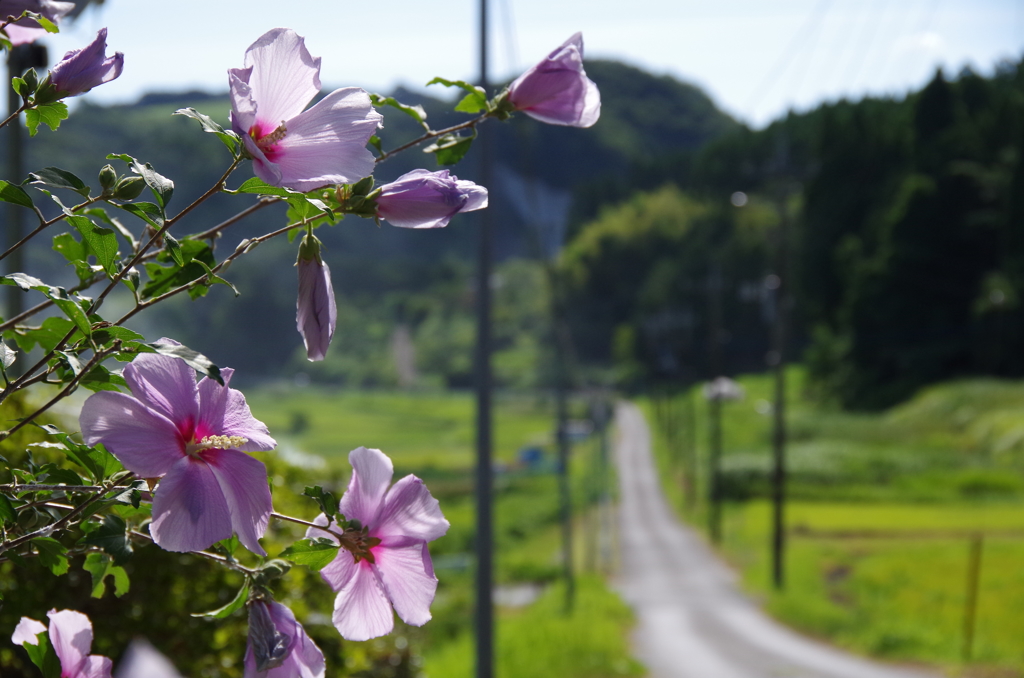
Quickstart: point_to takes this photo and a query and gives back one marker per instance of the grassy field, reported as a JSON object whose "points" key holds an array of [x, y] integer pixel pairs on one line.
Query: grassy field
{"points": [[431, 434], [882, 512]]}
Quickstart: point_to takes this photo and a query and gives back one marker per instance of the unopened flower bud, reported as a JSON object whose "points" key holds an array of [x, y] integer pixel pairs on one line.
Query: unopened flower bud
{"points": [[129, 188], [108, 177]]}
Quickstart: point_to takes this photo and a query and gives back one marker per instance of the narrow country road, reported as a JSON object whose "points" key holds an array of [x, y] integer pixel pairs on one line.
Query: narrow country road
{"points": [[692, 621]]}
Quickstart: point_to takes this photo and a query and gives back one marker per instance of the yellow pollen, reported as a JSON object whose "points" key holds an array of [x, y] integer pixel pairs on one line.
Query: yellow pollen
{"points": [[222, 442], [273, 137]]}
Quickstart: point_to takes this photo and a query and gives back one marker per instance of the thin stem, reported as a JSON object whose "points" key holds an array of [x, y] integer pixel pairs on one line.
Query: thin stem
{"points": [[47, 223], [205, 554], [96, 358], [50, 529], [299, 521], [24, 107], [433, 134], [15, 489]]}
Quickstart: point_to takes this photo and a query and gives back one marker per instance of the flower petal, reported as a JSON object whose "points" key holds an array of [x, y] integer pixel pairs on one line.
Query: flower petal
{"points": [[146, 442], [27, 630], [305, 660], [410, 511], [284, 75], [167, 385], [557, 90], [361, 609], [371, 475], [409, 584], [243, 481], [71, 637], [223, 411], [327, 143], [190, 511], [339, 572], [142, 660], [96, 666]]}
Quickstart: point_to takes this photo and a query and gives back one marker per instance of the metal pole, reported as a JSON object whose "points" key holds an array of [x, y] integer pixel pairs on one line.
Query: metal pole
{"points": [[777, 359], [15, 226], [484, 475]]}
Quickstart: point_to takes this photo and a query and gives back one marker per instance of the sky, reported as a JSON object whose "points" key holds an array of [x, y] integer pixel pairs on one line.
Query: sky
{"points": [[757, 59]]}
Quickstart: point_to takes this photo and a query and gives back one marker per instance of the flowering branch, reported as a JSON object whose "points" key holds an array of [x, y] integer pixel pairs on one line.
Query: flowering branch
{"points": [[433, 134], [226, 562]]}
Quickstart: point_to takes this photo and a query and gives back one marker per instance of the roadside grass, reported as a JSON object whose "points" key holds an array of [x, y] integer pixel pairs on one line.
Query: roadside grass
{"points": [[431, 434], [948, 461]]}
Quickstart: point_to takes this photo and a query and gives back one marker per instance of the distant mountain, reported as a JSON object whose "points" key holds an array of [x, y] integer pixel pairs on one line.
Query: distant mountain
{"points": [[645, 119]]}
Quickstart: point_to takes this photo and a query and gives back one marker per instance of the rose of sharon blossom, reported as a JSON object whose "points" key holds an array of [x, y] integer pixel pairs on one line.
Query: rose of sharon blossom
{"points": [[71, 637], [194, 437], [390, 564], [278, 646], [28, 30], [82, 69], [291, 147], [316, 314], [422, 199], [557, 90]]}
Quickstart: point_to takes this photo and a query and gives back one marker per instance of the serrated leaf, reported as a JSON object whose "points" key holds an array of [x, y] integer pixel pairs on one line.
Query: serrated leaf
{"points": [[315, 554], [47, 335], [415, 112], [100, 567], [147, 211], [451, 148], [112, 537], [43, 656], [216, 279], [462, 84], [227, 137], [14, 194], [260, 187], [7, 512], [197, 361], [55, 177], [60, 476], [52, 554], [101, 241], [327, 502], [69, 306], [236, 603], [96, 460], [474, 102], [7, 355], [47, 114], [174, 249]]}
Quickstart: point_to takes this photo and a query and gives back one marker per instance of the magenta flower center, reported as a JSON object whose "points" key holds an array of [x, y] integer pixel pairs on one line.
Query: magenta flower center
{"points": [[267, 139]]}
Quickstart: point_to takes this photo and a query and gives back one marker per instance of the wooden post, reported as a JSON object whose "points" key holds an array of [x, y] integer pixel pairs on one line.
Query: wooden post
{"points": [[971, 603]]}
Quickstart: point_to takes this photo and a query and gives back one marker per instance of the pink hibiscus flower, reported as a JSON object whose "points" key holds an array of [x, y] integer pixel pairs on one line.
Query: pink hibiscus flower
{"points": [[289, 146], [71, 637], [194, 437], [386, 562]]}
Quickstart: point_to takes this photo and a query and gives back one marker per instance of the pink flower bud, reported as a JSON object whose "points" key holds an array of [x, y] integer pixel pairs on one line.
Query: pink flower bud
{"points": [[422, 199], [557, 90], [316, 313]]}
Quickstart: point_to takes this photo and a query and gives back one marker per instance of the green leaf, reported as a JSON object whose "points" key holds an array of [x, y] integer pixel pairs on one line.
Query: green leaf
{"points": [[161, 186], [174, 249], [96, 460], [22, 88], [415, 112], [7, 512], [230, 545], [43, 656], [260, 187], [102, 215], [146, 211], [52, 554], [47, 335], [450, 148], [193, 359], [375, 142], [213, 278], [7, 355], [236, 603], [303, 208], [57, 476], [227, 137], [315, 554], [112, 537], [23, 281], [101, 241], [100, 567], [471, 89], [47, 25], [55, 177], [474, 102], [327, 502], [69, 306], [16, 194], [99, 378], [164, 278], [48, 114]]}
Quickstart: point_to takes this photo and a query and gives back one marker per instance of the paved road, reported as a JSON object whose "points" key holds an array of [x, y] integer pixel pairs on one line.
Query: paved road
{"points": [[692, 620]]}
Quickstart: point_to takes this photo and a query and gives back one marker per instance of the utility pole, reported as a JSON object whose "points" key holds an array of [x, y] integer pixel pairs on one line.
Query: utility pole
{"points": [[776, 284], [715, 404], [19, 60], [484, 611]]}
